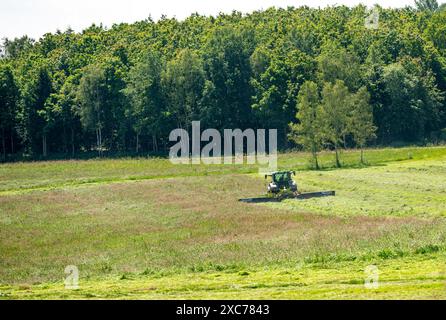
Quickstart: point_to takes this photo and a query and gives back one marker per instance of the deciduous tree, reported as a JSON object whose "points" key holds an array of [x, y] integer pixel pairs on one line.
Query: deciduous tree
{"points": [[307, 132], [361, 124]]}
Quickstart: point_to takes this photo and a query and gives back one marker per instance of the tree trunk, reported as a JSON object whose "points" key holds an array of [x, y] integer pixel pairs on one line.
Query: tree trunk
{"points": [[100, 141], [3, 144], [72, 142], [97, 140], [155, 145], [316, 163], [314, 152], [12, 142], [137, 143], [338, 163], [65, 140], [362, 155], [44, 145]]}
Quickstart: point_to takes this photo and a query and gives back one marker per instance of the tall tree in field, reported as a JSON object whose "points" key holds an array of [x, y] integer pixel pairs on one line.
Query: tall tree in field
{"points": [[144, 92], [334, 114], [9, 95], [361, 119], [183, 83], [92, 96], [307, 131]]}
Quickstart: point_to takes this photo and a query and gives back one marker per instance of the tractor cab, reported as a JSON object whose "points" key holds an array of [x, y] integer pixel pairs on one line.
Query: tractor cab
{"points": [[281, 180]]}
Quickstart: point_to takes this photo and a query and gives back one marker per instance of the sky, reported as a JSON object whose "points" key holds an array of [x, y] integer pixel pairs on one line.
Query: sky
{"points": [[37, 17]]}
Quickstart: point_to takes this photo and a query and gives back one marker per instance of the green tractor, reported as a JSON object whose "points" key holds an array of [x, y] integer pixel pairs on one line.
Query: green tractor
{"points": [[282, 187], [281, 181]]}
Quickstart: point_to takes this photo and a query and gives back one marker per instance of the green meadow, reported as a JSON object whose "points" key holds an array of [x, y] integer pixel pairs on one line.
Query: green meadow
{"points": [[148, 229]]}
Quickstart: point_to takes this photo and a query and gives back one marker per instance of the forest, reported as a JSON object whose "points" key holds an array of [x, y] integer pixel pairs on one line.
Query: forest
{"points": [[318, 75]]}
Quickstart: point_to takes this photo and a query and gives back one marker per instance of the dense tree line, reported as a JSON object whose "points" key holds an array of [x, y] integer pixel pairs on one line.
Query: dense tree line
{"points": [[317, 75]]}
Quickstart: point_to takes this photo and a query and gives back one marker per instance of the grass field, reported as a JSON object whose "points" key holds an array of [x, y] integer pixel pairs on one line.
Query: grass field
{"points": [[145, 228]]}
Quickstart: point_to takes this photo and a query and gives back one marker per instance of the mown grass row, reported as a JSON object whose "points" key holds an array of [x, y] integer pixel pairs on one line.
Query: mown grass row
{"points": [[28, 176], [404, 278], [413, 188]]}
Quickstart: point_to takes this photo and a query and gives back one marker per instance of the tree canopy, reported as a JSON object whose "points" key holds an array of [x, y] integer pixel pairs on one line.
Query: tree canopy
{"points": [[123, 89]]}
